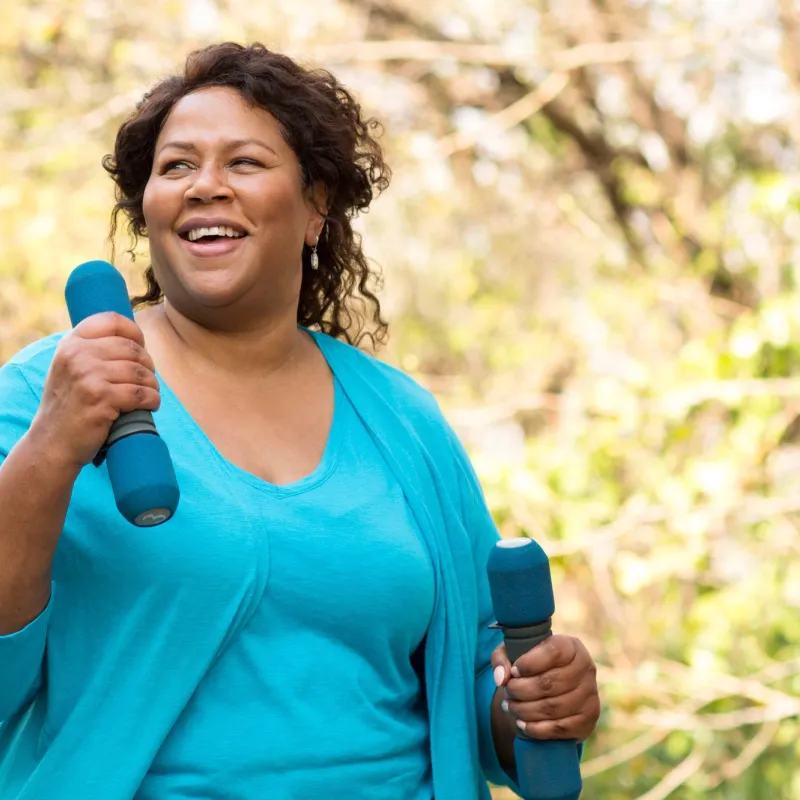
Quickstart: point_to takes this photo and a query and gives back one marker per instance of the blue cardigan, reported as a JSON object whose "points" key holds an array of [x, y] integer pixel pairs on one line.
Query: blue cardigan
{"points": [[447, 502]]}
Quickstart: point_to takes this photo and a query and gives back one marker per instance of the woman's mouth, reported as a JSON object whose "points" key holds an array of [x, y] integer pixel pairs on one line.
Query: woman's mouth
{"points": [[213, 241]]}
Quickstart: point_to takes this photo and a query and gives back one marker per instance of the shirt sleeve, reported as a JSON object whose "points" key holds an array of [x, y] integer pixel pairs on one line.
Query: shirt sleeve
{"points": [[485, 535], [21, 652], [21, 657]]}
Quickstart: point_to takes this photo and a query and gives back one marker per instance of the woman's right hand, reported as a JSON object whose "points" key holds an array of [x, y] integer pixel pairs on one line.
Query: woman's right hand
{"points": [[100, 370]]}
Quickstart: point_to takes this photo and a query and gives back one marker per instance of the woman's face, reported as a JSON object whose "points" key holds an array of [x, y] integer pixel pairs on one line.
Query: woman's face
{"points": [[226, 211]]}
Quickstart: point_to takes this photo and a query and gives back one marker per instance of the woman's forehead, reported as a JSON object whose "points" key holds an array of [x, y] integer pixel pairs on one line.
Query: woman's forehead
{"points": [[218, 115]]}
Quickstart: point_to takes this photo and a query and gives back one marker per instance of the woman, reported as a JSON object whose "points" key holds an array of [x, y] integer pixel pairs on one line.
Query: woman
{"points": [[313, 622]]}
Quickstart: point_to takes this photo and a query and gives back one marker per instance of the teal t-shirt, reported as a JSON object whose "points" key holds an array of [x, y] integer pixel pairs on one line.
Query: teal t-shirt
{"points": [[317, 695], [322, 590]]}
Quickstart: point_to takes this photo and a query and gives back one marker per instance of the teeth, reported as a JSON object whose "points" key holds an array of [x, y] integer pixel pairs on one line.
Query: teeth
{"points": [[217, 230]]}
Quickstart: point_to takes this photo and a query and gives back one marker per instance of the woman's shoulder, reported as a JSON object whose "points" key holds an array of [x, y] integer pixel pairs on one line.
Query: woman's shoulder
{"points": [[395, 386], [377, 382], [32, 362]]}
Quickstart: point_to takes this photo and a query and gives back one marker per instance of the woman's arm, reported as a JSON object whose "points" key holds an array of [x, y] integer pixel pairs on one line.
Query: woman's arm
{"points": [[556, 669], [496, 730], [98, 370], [35, 490], [34, 494]]}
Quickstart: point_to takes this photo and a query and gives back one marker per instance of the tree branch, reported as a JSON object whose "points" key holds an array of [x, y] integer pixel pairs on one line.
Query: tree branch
{"points": [[678, 776], [754, 748], [498, 55], [510, 116]]}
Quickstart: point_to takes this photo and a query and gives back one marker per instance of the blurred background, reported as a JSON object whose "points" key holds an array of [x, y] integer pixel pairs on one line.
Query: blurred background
{"points": [[590, 255]]}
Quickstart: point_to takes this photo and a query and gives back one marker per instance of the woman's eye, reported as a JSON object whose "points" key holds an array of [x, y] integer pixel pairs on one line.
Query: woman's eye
{"points": [[173, 166], [183, 166]]}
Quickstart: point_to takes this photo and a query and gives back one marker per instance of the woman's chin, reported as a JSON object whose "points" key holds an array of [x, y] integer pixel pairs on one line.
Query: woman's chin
{"points": [[214, 289]]}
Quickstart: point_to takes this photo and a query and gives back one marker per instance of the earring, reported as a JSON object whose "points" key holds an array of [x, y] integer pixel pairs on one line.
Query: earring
{"points": [[314, 254]]}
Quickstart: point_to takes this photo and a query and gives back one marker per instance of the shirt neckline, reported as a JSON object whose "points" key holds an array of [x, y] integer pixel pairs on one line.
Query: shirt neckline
{"points": [[324, 469]]}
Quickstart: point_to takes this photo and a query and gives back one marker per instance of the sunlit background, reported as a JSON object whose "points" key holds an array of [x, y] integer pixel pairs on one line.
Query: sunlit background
{"points": [[590, 254]]}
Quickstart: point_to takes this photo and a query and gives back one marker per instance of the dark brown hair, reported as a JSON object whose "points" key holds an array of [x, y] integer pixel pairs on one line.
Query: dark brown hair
{"points": [[335, 145]]}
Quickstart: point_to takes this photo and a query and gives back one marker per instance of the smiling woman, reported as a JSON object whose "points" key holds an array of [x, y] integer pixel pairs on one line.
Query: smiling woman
{"points": [[314, 621], [306, 126]]}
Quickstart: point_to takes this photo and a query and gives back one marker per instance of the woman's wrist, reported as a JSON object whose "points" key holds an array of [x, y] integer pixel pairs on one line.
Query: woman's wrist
{"points": [[504, 732]]}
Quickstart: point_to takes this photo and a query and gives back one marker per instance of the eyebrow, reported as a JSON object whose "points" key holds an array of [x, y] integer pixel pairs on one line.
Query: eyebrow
{"points": [[232, 145]]}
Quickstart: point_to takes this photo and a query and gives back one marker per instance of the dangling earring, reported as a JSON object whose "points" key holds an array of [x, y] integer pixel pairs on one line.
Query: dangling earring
{"points": [[314, 254]]}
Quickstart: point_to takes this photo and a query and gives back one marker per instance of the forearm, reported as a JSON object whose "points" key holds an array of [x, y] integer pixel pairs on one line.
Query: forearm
{"points": [[35, 491], [504, 731]]}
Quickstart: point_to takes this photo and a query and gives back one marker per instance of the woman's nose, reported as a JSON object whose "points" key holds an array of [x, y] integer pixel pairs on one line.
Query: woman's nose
{"points": [[209, 184]]}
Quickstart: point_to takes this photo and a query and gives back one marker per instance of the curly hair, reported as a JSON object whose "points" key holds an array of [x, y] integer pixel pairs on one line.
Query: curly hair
{"points": [[335, 145]]}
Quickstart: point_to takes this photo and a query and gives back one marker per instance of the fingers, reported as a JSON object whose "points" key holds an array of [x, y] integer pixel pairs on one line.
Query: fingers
{"points": [[550, 669], [109, 323], [554, 683], [553, 690], [81, 357], [552, 708], [553, 652], [110, 338], [127, 397], [130, 372], [114, 359], [501, 666], [118, 348], [577, 727], [110, 399], [100, 370]]}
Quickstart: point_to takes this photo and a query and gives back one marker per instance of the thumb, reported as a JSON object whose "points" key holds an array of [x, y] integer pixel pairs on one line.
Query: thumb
{"points": [[501, 666]]}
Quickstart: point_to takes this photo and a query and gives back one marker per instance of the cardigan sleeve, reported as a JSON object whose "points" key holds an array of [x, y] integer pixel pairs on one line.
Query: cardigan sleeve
{"points": [[484, 536], [21, 652], [21, 656]]}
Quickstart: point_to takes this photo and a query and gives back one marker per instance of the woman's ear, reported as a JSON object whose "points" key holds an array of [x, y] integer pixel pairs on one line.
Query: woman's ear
{"points": [[318, 206]]}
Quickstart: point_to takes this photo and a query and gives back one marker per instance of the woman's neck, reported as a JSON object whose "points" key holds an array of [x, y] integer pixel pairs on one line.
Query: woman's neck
{"points": [[266, 350]]}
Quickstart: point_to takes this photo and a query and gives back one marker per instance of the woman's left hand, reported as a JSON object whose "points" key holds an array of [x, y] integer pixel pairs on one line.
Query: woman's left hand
{"points": [[551, 689]]}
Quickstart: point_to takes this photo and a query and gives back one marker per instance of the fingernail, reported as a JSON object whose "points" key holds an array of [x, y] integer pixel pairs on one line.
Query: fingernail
{"points": [[504, 706], [499, 675], [521, 724], [515, 672]]}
